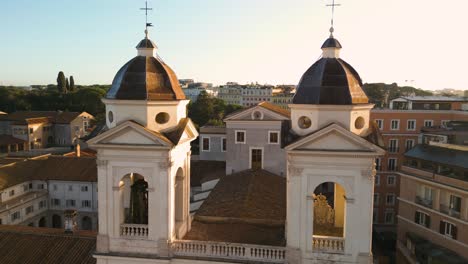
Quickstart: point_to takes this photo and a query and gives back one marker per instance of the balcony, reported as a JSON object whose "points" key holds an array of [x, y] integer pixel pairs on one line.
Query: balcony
{"points": [[229, 251], [134, 231], [328, 244], [423, 201], [449, 211]]}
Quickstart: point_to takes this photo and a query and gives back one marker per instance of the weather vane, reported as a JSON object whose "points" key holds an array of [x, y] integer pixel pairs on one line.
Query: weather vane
{"points": [[146, 15], [332, 5]]}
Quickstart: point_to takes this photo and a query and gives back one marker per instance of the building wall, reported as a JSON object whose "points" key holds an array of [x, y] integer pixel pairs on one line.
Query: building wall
{"points": [[215, 152], [238, 155]]}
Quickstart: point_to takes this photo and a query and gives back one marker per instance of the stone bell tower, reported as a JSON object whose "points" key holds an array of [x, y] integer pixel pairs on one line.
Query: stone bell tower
{"points": [[330, 165], [143, 160]]}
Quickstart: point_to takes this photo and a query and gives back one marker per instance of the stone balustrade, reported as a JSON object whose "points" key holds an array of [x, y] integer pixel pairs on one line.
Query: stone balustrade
{"points": [[134, 231], [328, 244], [229, 251]]}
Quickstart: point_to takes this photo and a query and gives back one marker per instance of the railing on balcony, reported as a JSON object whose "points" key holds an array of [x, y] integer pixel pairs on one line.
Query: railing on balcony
{"points": [[228, 251], [328, 244], [423, 201], [134, 231], [449, 211]]}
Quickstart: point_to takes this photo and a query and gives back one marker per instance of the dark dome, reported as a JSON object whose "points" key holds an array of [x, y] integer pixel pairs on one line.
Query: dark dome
{"points": [[146, 44], [145, 78], [330, 81], [331, 42]]}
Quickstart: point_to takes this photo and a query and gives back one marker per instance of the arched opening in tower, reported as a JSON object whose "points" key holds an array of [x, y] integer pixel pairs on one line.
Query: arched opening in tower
{"points": [[329, 210]]}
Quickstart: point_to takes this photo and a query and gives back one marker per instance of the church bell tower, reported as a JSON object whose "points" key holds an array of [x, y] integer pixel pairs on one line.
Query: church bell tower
{"points": [[143, 160]]}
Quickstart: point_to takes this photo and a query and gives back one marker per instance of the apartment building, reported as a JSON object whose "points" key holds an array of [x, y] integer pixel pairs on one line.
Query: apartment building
{"points": [[400, 127], [433, 205]]}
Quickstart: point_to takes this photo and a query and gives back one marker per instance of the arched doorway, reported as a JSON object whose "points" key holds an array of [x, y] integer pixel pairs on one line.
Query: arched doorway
{"points": [[86, 223], [56, 221], [42, 222], [329, 210]]}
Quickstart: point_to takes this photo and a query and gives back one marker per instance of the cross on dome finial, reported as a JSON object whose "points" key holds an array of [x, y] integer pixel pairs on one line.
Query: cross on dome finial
{"points": [[146, 18], [332, 5]]}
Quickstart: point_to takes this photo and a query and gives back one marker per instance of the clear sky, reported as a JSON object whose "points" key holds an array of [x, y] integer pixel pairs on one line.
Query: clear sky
{"points": [[267, 41]]}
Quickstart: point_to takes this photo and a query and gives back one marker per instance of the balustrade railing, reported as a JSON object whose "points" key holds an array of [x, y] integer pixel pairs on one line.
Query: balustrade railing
{"points": [[230, 251], [134, 230], [423, 201], [449, 211], [328, 244]]}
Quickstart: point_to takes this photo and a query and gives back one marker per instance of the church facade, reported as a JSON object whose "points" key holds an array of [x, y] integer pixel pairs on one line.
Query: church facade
{"points": [[325, 148]]}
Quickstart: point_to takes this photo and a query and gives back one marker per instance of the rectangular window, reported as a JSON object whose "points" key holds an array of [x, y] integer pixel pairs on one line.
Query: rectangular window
{"points": [[40, 186], [390, 199], [411, 125], [25, 187], [377, 180], [389, 217], [448, 229], [444, 123], [380, 123], [409, 144], [223, 144], [273, 137], [56, 202], [240, 137], [12, 192], [393, 146], [391, 180], [455, 203], [86, 203], [378, 164], [376, 198], [84, 188], [70, 203], [29, 209], [70, 188], [428, 123], [422, 219], [31, 130], [15, 216], [55, 187], [42, 204], [395, 124], [375, 215], [30, 186], [205, 144], [392, 164]]}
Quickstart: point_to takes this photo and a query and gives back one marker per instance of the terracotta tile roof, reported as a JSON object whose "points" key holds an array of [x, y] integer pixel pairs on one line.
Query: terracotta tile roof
{"points": [[249, 194], [22, 117], [175, 135], [31, 121], [49, 168], [205, 170], [7, 140], [275, 109], [213, 130], [22, 244]]}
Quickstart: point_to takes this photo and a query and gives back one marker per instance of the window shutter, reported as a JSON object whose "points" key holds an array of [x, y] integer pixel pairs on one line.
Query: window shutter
{"points": [[454, 232], [416, 217], [442, 227], [428, 221]]}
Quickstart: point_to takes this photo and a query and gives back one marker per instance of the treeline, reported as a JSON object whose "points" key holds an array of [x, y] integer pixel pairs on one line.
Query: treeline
{"points": [[381, 94], [208, 110]]}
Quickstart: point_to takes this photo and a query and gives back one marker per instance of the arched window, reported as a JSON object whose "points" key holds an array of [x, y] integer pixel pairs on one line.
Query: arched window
{"points": [[42, 222], [134, 199]]}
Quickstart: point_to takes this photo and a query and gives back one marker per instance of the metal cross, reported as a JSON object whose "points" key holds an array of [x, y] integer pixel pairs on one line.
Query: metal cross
{"points": [[146, 14], [333, 10]]}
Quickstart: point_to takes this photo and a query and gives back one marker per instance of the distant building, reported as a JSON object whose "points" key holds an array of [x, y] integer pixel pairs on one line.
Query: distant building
{"points": [[429, 103], [41, 129], [212, 141], [433, 211], [184, 83], [254, 94], [282, 99], [231, 93], [193, 90]]}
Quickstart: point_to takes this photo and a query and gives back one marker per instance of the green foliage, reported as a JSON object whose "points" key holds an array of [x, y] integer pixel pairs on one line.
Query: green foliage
{"points": [[208, 110], [381, 94], [72, 84], [67, 84], [61, 83]]}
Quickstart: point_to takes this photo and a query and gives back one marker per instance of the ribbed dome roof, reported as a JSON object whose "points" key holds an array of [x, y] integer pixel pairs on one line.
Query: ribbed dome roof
{"points": [[330, 81], [145, 78]]}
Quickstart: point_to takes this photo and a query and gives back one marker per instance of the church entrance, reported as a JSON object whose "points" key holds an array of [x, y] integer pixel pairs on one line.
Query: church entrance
{"points": [[329, 210], [256, 159]]}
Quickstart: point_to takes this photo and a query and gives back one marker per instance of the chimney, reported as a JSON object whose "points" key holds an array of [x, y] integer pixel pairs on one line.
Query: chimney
{"points": [[78, 150], [70, 221]]}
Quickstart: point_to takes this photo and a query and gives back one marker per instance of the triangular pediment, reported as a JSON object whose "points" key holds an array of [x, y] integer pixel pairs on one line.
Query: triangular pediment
{"points": [[334, 138], [257, 112], [131, 134]]}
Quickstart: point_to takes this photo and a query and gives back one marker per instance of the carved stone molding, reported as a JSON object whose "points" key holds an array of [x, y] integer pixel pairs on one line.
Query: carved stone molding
{"points": [[295, 171], [369, 172]]}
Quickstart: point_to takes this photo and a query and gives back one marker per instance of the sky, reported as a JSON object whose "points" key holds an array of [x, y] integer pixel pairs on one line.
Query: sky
{"points": [[422, 43]]}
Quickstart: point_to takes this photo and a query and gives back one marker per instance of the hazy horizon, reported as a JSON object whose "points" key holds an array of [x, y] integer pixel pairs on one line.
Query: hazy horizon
{"points": [[412, 43]]}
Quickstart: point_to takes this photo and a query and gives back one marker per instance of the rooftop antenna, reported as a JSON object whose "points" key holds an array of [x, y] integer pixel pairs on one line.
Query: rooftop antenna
{"points": [[146, 18], [332, 5]]}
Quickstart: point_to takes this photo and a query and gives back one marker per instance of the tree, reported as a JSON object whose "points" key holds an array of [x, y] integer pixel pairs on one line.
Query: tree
{"points": [[72, 84], [67, 84], [61, 83]]}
